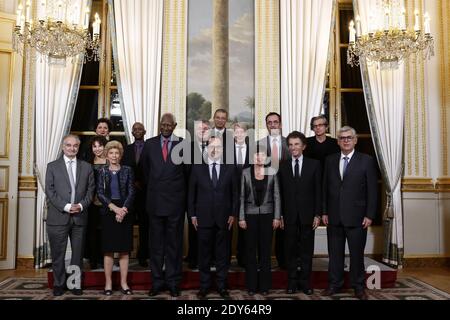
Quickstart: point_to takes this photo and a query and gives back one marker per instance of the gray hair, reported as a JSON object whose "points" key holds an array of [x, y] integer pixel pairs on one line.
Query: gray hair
{"points": [[346, 129], [170, 116], [67, 136]]}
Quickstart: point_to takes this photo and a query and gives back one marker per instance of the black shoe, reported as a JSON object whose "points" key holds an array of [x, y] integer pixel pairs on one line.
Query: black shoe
{"points": [[291, 290], [251, 293], [308, 291], [202, 293], [107, 292], [77, 292], [153, 292], [127, 292], [265, 292], [175, 292], [361, 294], [329, 292], [58, 291], [223, 293]]}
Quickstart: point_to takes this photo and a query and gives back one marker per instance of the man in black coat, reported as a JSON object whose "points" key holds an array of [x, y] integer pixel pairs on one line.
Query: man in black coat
{"points": [[166, 181], [131, 157], [349, 206], [212, 207], [301, 188]]}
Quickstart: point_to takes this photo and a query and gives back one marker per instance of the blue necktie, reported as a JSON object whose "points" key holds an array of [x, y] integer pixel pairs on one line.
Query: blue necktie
{"points": [[345, 166], [214, 175]]}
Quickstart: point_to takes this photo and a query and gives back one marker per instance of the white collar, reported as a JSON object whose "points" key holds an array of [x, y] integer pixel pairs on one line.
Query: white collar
{"points": [[349, 156], [67, 159], [211, 161], [300, 159]]}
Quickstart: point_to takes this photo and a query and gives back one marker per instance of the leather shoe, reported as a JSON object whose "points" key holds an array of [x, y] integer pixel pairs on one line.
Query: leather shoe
{"points": [[308, 291], [361, 294], [265, 292], [223, 293], [58, 291], [153, 292], [202, 293], [291, 291], [107, 292], [77, 292], [329, 292], [174, 292], [127, 291], [251, 293]]}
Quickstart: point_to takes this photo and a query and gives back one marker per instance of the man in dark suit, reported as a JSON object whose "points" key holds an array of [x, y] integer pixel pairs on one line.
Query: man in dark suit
{"points": [[219, 130], [349, 206], [69, 187], [199, 150], [212, 207], [241, 161], [166, 182], [277, 152], [301, 187], [131, 157], [320, 145]]}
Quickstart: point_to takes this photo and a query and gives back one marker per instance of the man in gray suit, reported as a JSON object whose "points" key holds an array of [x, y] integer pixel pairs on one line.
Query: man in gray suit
{"points": [[69, 187]]}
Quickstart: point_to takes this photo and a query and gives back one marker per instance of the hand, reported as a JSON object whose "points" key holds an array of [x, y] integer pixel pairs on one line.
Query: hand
{"points": [[194, 222], [325, 219], [367, 223], [119, 218], [230, 222], [75, 208], [243, 224], [316, 223], [282, 223], [276, 224]]}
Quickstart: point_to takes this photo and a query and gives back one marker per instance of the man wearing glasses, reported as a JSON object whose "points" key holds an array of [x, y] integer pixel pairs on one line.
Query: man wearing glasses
{"points": [[349, 206], [320, 145]]}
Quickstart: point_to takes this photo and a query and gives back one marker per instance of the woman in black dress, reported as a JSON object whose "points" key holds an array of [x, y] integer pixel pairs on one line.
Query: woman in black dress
{"points": [[115, 189]]}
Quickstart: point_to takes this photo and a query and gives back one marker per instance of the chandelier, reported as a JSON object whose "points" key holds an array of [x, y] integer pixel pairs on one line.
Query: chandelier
{"points": [[392, 42], [61, 32]]}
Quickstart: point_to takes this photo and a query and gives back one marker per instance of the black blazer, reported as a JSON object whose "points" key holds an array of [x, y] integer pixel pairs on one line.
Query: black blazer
{"points": [[302, 198], [126, 186], [165, 182], [348, 201], [129, 159], [212, 206]]}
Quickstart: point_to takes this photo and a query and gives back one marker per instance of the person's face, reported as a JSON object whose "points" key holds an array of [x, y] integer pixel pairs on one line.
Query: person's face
{"points": [[215, 149], [98, 149], [296, 147], [102, 129], [320, 127], [70, 147], [138, 131], [239, 135], [347, 142], [220, 119], [167, 125], [259, 158], [202, 132], [113, 156], [273, 125]]}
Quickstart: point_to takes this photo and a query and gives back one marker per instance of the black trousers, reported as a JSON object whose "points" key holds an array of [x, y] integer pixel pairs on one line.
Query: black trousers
{"points": [[356, 237], [258, 242], [192, 255], [299, 242], [279, 248], [217, 238], [166, 245], [92, 249]]}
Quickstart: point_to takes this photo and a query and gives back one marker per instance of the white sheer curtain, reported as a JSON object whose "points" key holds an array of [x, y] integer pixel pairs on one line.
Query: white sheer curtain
{"points": [[384, 93], [305, 27], [137, 44], [56, 93]]}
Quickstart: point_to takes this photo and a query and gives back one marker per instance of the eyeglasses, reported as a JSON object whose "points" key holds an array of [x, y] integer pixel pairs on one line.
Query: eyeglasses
{"points": [[346, 138], [319, 125]]}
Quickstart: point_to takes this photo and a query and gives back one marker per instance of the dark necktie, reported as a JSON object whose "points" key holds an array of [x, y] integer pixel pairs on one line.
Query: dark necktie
{"points": [[297, 169], [138, 150], [214, 175], [345, 166]]}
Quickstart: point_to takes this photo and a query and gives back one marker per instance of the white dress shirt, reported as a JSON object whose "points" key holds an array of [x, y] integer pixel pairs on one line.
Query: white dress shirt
{"points": [[341, 162], [243, 150], [74, 171], [300, 164]]}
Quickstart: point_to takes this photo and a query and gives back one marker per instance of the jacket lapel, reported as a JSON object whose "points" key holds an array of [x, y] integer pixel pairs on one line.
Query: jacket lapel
{"points": [[223, 169], [64, 170], [206, 173], [78, 173], [351, 164]]}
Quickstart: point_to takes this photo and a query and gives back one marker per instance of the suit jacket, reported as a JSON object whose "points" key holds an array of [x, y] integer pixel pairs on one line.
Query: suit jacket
{"points": [[271, 200], [126, 186], [246, 161], [284, 148], [348, 201], [302, 197], [228, 145], [165, 181], [58, 191], [212, 206], [129, 159]]}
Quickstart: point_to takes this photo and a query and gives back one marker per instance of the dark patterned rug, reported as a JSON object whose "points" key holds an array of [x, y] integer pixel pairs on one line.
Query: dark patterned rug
{"points": [[37, 289]]}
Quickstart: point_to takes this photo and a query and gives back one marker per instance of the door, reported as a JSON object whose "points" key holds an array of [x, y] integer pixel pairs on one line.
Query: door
{"points": [[10, 109]]}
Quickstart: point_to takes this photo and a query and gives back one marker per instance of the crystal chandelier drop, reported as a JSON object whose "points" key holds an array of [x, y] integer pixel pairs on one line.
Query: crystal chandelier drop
{"points": [[61, 32], [390, 43]]}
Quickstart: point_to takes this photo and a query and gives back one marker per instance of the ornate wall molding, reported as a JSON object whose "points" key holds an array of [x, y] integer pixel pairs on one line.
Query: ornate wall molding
{"points": [[443, 184], [27, 183], [418, 185]]}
